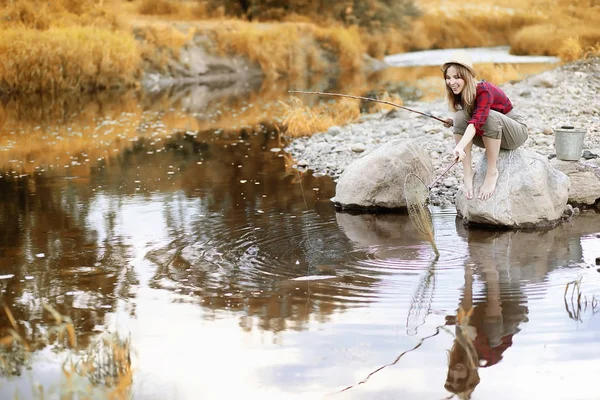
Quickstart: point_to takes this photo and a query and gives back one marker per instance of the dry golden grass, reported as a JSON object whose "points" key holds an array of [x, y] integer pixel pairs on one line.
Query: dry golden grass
{"points": [[291, 49], [177, 10], [158, 44], [302, 120], [64, 45], [41, 14], [104, 52], [531, 27], [159, 7], [74, 58]]}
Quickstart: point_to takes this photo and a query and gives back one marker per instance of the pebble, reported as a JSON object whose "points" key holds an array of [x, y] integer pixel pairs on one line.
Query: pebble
{"points": [[545, 101], [548, 131], [358, 147]]}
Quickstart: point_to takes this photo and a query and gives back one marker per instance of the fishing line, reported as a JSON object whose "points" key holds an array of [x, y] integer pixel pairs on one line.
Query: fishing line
{"points": [[369, 99], [419, 344]]}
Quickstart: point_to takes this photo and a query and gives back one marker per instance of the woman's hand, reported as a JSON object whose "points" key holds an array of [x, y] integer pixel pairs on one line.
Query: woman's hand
{"points": [[449, 123], [459, 153]]}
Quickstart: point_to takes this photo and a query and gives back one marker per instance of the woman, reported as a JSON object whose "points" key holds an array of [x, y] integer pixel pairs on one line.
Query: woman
{"points": [[483, 115]]}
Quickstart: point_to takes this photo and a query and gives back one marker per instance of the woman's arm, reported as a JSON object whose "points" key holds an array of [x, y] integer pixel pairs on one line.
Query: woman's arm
{"points": [[467, 137]]}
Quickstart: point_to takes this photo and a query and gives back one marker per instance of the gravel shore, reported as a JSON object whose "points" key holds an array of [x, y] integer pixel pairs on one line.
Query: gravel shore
{"points": [[567, 95]]}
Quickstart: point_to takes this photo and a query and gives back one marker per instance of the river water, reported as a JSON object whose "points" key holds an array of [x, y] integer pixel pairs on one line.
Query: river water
{"points": [[172, 223]]}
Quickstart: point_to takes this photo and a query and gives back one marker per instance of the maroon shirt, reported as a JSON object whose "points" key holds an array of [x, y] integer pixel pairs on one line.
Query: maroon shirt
{"points": [[488, 97]]}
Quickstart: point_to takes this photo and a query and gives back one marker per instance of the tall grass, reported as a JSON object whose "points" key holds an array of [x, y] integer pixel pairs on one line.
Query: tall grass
{"points": [[569, 29], [73, 58], [64, 45], [102, 371], [292, 49], [302, 120], [42, 14]]}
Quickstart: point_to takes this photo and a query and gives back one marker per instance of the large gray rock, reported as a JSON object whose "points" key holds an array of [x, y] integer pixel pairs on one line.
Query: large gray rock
{"points": [[585, 180], [376, 180], [529, 193]]}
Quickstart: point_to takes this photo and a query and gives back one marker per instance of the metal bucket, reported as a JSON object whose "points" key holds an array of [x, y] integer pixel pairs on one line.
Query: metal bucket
{"points": [[568, 142]]}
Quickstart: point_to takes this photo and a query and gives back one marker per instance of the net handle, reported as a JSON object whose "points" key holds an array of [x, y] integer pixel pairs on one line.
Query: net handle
{"points": [[443, 173]]}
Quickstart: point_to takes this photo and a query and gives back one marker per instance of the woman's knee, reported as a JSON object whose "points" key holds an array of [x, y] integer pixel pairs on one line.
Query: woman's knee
{"points": [[460, 121], [493, 125]]}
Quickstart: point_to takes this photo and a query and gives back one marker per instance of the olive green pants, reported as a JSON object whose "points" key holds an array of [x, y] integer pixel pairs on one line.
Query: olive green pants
{"points": [[508, 128]]}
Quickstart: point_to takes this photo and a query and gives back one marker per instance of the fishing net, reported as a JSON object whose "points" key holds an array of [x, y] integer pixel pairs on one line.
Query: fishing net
{"points": [[420, 306], [417, 204]]}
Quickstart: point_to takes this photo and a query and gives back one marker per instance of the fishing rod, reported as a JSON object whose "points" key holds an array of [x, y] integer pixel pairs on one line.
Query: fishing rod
{"points": [[369, 99]]}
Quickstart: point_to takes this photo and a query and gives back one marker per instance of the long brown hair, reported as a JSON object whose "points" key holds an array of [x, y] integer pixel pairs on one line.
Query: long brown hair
{"points": [[466, 99], [464, 353]]}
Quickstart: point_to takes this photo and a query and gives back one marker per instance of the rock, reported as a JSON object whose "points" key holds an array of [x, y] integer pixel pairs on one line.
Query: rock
{"points": [[585, 181], [529, 193], [541, 109], [334, 130], [525, 93], [450, 182], [568, 212], [379, 229], [358, 147], [548, 131], [545, 80], [376, 180]]}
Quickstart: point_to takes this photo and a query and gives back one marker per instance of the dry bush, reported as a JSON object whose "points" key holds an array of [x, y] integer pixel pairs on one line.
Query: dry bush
{"points": [[498, 28], [592, 51], [301, 120], [534, 27], [63, 45], [41, 15], [346, 43], [570, 50], [75, 58], [279, 50], [159, 7], [181, 10], [568, 27], [291, 49], [375, 107], [159, 44], [498, 73], [542, 39]]}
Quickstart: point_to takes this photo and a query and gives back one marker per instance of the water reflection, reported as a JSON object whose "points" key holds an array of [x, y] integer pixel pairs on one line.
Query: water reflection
{"points": [[207, 242], [506, 265], [496, 314]]}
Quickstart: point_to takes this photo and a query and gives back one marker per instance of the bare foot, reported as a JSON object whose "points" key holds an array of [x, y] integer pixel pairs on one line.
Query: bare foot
{"points": [[489, 184], [468, 184]]}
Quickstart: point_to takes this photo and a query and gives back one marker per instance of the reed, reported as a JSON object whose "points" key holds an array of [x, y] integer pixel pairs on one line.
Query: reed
{"points": [[302, 120], [102, 370]]}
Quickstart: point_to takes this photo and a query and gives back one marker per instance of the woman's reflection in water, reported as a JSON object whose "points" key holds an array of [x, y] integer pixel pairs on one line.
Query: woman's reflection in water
{"points": [[486, 330]]}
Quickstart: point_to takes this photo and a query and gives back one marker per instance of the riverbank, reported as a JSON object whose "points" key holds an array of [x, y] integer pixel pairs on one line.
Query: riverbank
{"points": [[92, 45], [562, 96]]}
